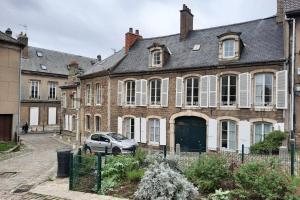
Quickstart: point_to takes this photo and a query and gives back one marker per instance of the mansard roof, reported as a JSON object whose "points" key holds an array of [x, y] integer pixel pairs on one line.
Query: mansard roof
{"points": [[55, 62], [262, 38], [291, 6]]}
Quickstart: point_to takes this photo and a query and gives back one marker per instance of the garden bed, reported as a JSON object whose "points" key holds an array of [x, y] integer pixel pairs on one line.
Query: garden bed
{"points": [[7, 146]]}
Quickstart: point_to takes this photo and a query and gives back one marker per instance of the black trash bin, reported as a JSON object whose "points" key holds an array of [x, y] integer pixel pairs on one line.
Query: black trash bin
{"points": [[63, 162]]}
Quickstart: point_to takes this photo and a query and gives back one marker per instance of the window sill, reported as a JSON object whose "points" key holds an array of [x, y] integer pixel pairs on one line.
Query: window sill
{"points": [[266, 108], [98, 105], [154, 106], [156, 144], [129, 106], [228, 108]]}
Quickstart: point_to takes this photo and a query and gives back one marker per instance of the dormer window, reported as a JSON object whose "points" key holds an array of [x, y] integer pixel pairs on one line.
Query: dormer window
{"points": [[156, 58], [230, 46], [228, 49], [158, 55]]}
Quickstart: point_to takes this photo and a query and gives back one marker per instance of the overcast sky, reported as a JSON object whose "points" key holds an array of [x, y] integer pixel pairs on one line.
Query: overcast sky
{"points": [[92, 27]]}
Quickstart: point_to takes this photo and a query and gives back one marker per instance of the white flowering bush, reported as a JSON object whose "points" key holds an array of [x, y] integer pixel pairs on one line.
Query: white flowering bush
{"points": [[160, 182], [220, 195]]}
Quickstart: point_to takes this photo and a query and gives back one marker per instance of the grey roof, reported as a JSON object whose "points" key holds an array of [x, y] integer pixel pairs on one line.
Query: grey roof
{"points": [[263, 41], [6, 38], [56, 62], [107, 63], [291, 5]]}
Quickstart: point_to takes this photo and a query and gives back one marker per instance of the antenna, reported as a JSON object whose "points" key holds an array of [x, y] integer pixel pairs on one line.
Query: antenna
{"points": [[24, 26]]}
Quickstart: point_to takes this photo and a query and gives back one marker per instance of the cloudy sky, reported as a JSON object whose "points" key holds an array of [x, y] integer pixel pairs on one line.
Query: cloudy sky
{"points": [[92, 27]]}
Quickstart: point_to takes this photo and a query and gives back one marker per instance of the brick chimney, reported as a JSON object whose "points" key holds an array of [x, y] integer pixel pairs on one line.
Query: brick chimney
{"points": [[280, 11], [22, 37], [186, 22], [8, 32], [131, 38]]}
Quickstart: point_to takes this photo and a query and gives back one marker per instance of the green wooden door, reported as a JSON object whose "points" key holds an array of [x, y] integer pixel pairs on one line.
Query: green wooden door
{"points": [[190, 133]]}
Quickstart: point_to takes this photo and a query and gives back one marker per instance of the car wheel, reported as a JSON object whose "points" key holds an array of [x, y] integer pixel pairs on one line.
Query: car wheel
{"points": [[116, 151]]}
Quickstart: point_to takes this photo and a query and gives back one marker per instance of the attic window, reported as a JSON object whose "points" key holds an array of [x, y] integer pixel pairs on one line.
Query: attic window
{"points": [[39, 53], [43, 67], [196, 47]]}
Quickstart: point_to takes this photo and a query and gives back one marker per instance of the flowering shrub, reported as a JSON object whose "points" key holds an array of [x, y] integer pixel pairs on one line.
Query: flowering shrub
{"points": [[161, 182], [220, 195]]}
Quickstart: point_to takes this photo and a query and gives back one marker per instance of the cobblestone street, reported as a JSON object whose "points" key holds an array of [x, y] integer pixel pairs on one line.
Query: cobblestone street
{"points": [[29, 169]]}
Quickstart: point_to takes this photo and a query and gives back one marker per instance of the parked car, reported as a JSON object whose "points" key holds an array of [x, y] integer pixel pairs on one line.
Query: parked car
{"points": [[115, 143]]}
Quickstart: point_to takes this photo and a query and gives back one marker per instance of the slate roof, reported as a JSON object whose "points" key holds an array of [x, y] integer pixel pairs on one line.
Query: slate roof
{"points": [[55, 61], [107, 63], [291, 5], [262, 38], [6, 38]]}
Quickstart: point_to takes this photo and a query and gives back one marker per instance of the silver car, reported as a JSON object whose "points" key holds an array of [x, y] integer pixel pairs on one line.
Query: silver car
{"points": [[115, 143]]}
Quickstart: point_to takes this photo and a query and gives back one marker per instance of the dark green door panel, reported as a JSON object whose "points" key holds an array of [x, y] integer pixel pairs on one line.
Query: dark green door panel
{"points": [[190, 133]]}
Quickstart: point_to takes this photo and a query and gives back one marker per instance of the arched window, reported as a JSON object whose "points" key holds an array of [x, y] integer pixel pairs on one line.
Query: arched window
{"points": [[128, 127], [228, 90], [87, 122], [228, 48], [192, 91], [155, 91], [261, 129], [228, 135], [154, 130], [97, 124], [263, 89]]}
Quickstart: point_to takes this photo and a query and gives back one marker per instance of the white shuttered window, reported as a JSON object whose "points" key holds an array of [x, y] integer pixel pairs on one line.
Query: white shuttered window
{"points": [[204, 91], [179, 89], [244, 90], [281, 92]]}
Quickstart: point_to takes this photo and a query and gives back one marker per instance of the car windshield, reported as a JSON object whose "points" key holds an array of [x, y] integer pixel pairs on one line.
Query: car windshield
{"points": [[117, 136]]}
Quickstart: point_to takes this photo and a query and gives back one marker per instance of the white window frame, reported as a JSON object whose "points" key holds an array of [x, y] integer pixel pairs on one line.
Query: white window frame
{"points": [[34, 88], [228, 121], [86, 122], [128, 127], [263, 133], [153, 140], [225, 42], [97, 116], [228, 90], [156, 58], [271, 104], [156, 92], [192, 94], [98, 94], [132, 97], [52, 90], [88, 94]]}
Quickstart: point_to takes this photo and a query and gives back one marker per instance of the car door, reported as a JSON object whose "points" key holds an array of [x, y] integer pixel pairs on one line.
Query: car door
{"points": [[94, 143], [104, 142]]}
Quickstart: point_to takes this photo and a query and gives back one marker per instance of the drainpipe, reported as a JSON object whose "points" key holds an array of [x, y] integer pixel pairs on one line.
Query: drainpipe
{"points": [[19, 99]]}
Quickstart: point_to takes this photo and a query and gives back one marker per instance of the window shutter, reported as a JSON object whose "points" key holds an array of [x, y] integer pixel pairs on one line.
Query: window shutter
{"points": [[120, 93], [244, 90], [244, 135], [164, 92], [138, 92], [179, 90], [51, 115], [204, 91], [137, 129], [70, 123], [143, 130], [163, 132], [279, 127], [143, 92], [66, 122], [212, 134], [281, 89], [120, 125], [212, 91]]}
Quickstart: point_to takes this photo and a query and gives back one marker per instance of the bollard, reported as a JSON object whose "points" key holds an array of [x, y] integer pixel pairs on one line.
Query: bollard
{"points": [[292, 141], [165, 151], [243, 153], [99, 172], [177, 149], [71, 172], [105, 153], [79, 155]]}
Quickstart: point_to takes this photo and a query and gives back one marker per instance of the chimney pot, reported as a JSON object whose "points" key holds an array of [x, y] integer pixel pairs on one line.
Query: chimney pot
{"points": [[137, 32], [130, 30], [8, 32], [131, 38], [22, 38]]}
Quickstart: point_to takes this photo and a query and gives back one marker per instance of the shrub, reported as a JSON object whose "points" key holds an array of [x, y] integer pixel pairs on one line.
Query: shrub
{"points": [[271, 143], [135, 175], [161, 182], [220, 195], [208, 172], [260, 180], [140, 156]]}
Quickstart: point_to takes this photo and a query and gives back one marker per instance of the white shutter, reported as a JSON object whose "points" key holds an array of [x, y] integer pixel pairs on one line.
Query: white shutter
{"points": [[212, 134], [163, 132], [120, 125], [137, 129], [244, 90], [281, 89], [244, 135], [34, 116], [66, 122], [143, 92], [120, 93], [279, 127], [143, 130], [164, 92], [212, 91], [204, 91], [51, 115], [70, 123], [138, 92], [179, 90]]}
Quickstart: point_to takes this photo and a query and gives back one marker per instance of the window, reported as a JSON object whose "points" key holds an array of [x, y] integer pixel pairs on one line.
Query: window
{"points": [[88, 94], [52, 90], [73, 98], [154, 127], [192, 91], [97, 124], [228, 48], [39, 53], [95, 137], [263, 89], [228, 135], [87, 122], [130, 92], [74, 125], [228, 90], [129, 127], [155, 91], [98, 94], [34, 93], [43, 67], [156, 56], [261, 129], [104, 139]]}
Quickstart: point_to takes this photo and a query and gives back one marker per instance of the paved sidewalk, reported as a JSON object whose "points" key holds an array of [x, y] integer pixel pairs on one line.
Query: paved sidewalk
{"points": [[60, 188]]}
